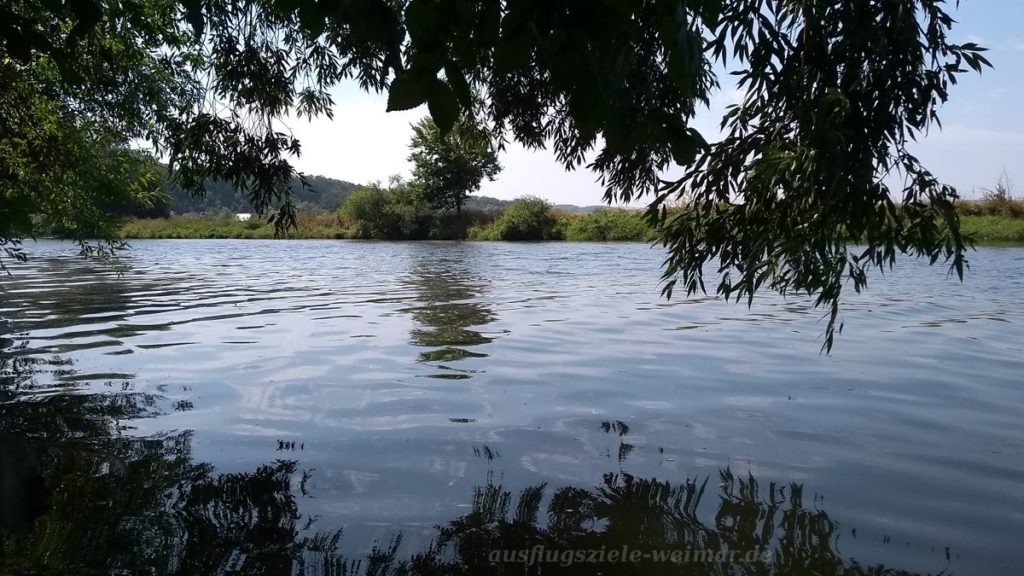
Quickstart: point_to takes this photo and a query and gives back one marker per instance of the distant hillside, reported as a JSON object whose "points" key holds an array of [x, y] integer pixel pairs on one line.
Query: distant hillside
{"points": [[486, 203], [575, 208], [326, 194]]}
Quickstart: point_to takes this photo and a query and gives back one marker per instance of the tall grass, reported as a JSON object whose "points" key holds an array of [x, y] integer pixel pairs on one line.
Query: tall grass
{"points": [[308, 225], [997, 201], [608, 226], [993, 229], [998, 206]]}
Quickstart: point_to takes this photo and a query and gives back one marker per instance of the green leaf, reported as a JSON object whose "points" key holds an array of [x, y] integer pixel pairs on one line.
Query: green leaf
{"points": [[311, 19], [486, 30], [685, 144], [378, 22], [194, 15], [421, 18], [443, 106], [588, 112], [513, 50], [458, 82], [90, 12], [409, 90], [711, 11], [683, 59]]}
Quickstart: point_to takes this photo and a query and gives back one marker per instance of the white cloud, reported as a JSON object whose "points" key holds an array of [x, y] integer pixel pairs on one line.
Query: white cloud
{"points": [[362, 144]]}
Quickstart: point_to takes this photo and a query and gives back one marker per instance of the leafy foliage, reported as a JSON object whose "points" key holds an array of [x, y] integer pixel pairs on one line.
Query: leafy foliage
{"points": [[816, 154], [379, 213], [526, 218], [447, 168], [399, 212], [75, 88]]}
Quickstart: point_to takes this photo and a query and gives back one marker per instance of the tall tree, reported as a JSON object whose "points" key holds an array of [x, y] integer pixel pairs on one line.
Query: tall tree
{"points": [[447, 168], [812, 187]]}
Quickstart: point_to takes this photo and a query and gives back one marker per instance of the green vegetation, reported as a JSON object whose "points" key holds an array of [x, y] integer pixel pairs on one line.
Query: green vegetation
{"points": [[997, 218], [528, 218], [997, 201], [397, 212], [376, 213], [993, 229], [225, 225], [400, 212], [608, 226], [448, 168]]}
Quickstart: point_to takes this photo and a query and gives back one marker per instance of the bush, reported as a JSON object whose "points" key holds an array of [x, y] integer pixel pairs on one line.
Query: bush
{"points": [[526, 218], [394, 213], [998, 201]]}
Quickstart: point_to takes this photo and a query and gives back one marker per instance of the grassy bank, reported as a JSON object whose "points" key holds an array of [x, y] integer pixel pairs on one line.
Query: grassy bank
{"points": [[311, 226], [380, 215], [385, 216], [993, 229], [604, 226]]}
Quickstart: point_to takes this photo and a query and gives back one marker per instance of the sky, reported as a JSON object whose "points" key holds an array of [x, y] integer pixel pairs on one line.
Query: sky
{"points": [[982, 133]]}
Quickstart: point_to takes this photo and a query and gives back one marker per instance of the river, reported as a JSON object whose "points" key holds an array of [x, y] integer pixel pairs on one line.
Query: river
{"points": [[310, 406]]}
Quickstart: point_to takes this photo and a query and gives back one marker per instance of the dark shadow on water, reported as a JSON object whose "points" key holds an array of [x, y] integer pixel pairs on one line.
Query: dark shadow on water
{"points": [[79, 495]]}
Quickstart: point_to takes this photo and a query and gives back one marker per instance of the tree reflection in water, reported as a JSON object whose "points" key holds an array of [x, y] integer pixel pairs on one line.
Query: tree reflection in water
{"points": [[110, 503], [446, 314]]}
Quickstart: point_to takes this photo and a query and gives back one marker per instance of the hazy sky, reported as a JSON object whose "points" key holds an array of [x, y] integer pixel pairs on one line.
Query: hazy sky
{"points": [[983, 128]]}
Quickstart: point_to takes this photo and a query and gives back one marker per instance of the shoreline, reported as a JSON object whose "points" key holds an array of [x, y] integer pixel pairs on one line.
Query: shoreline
{"points": [[990, 231]]}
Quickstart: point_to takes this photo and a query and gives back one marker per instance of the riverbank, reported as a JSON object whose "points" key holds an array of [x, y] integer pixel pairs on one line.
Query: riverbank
{"points": [[601, 226], [514, 224]]}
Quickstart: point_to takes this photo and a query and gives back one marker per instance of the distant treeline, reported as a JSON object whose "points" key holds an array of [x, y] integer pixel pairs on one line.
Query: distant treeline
{"points": [[323, 194], [523, 219], [399, 212], [375, 213]]}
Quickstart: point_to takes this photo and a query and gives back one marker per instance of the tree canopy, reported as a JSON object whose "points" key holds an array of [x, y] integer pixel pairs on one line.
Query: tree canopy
{"points": [[812, 186], [447, 168]]}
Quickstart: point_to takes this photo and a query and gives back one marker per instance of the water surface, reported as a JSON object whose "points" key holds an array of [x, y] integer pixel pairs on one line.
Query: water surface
{"points": [[265, 395]]}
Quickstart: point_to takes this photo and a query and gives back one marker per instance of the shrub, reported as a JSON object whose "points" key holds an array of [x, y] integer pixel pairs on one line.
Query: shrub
{"points": [[394, 213], [998, 201], [368, 212], [526, 218]]}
